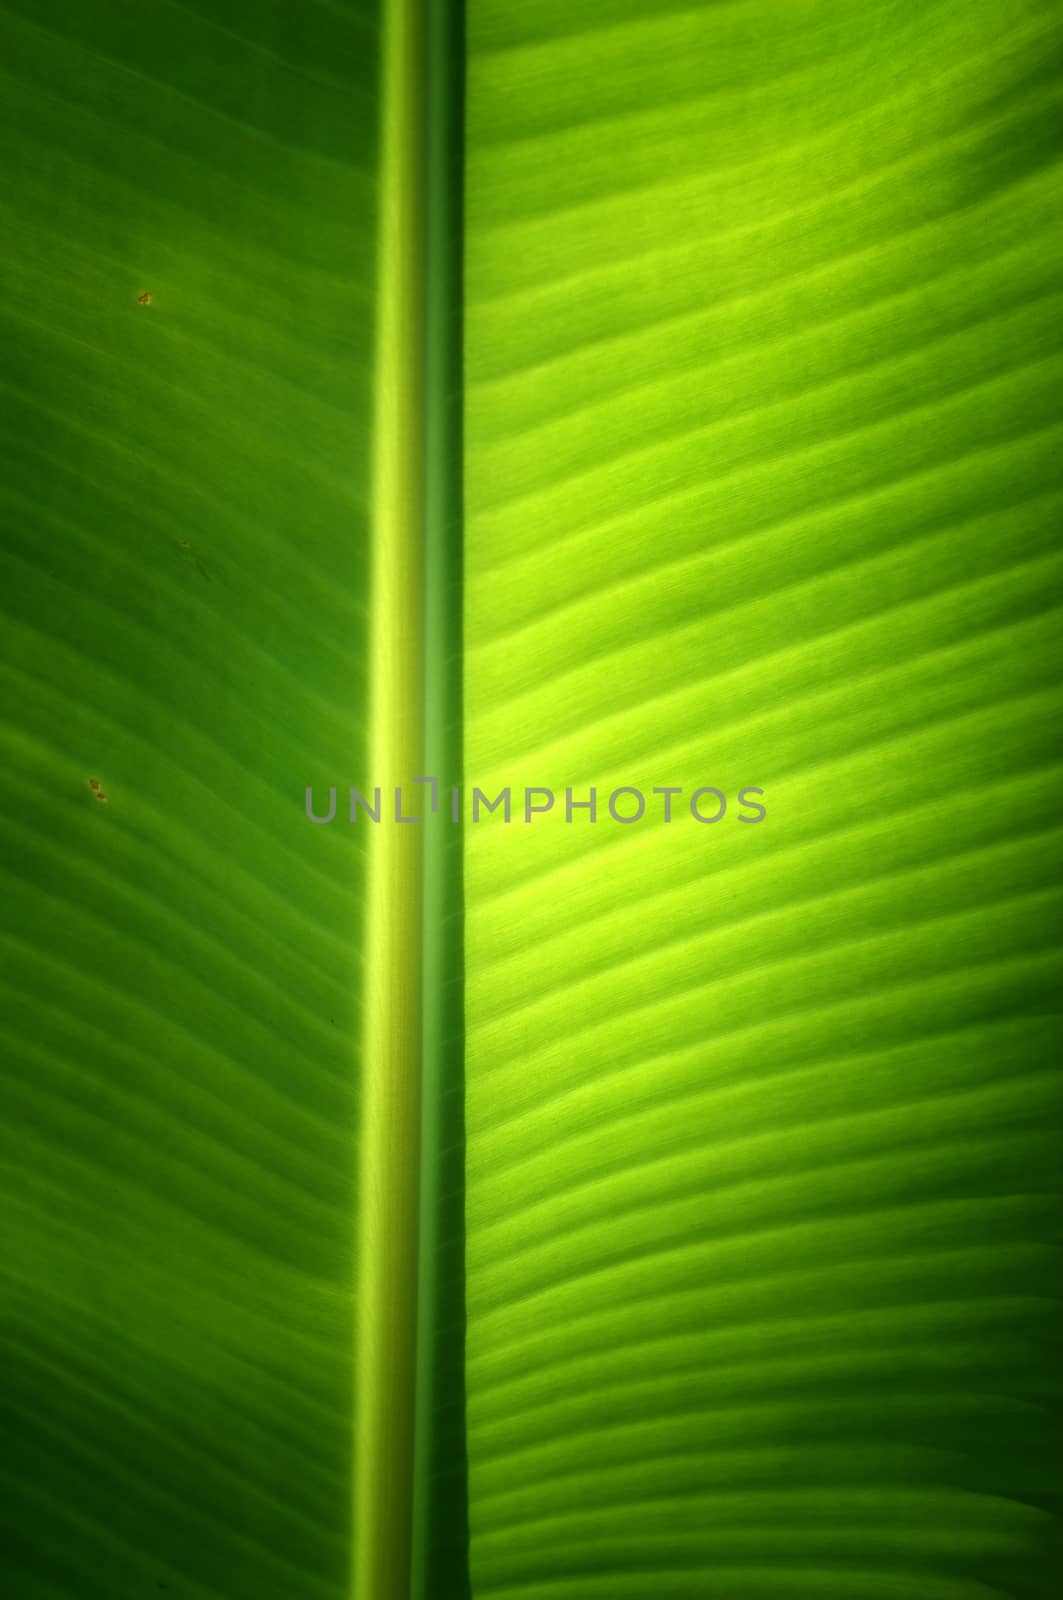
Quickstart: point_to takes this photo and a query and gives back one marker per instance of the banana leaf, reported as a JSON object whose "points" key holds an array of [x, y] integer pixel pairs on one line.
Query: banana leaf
{"points": [[647, 412]]}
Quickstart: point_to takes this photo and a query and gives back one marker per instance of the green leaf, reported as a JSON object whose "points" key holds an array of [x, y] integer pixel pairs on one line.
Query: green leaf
{"points": [[762, 482], [636, 396], [185, 583]]}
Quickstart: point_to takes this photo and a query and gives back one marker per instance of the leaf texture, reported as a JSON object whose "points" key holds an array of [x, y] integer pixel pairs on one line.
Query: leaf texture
{"points": [[762, 486], [759, 1149], [184, 649]]}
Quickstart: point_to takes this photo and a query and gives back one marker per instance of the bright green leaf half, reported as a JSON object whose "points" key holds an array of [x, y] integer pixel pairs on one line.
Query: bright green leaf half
{"points": [[763, 488]]}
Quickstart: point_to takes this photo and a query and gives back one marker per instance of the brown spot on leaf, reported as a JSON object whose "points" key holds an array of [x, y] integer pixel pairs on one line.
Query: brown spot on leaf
{"points": [[144, 299]]}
